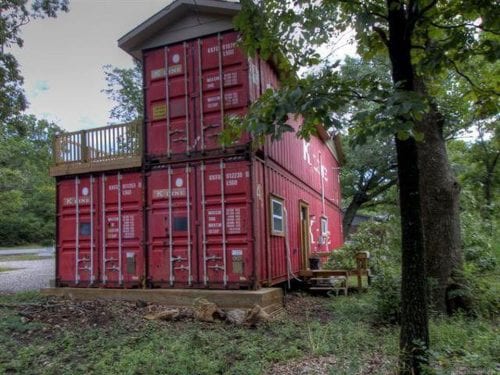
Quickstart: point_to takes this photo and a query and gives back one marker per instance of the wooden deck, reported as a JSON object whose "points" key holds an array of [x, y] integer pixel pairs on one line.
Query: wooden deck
{"points": [[97, 150]]}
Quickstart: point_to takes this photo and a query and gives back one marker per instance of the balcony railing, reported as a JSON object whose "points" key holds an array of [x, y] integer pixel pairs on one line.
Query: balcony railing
{"points": [[110, 147]]}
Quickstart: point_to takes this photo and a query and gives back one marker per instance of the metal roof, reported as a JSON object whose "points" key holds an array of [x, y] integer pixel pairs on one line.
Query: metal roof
{"points": [[178, 21]]}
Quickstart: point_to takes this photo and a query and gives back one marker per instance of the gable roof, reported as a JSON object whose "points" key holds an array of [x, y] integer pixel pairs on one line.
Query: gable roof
{"points": [[180, 20]]}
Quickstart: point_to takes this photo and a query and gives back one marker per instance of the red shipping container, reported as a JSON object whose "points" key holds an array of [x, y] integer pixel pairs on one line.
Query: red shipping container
{"points": [[100, 228], [185, 101], [200, 231]]}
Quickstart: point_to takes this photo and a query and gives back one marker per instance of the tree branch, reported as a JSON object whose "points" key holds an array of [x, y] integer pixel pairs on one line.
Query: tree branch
{"points": [[468, 79], [382, 188], [382, 35], [425, 9], [449, 27]]}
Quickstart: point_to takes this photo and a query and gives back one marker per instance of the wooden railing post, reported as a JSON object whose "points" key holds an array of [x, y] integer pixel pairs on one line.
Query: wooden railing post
{"points": [[84, 147], [56, 149]]}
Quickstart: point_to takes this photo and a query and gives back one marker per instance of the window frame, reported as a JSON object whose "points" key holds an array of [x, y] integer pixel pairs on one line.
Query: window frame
{"points": [[274, 232], [326, 232]]}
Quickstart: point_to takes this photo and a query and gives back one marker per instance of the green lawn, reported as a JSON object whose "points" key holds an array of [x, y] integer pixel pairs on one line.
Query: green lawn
{"points": [[114, 338]]}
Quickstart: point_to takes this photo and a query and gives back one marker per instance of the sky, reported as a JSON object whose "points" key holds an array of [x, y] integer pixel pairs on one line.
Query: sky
{"points": [[62, 59]]}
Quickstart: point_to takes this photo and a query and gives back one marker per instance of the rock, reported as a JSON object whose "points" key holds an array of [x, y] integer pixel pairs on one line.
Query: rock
{"points": [[169, 314], [140, 304], [204, 310], [257, 315], [236, 316], [220, 314]]}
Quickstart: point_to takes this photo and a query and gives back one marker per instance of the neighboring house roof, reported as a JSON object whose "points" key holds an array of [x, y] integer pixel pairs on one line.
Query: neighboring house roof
{"points": [[180, 20]]}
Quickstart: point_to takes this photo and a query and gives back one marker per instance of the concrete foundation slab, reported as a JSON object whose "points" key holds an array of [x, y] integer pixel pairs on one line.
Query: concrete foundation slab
{"points": [[270, 299]]}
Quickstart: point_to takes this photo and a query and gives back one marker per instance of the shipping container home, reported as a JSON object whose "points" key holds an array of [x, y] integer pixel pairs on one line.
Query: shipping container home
{"points": [[195, 215]]}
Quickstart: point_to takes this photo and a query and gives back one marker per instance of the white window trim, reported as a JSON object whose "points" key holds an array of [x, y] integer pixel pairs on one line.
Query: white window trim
{"points": [[281, 202]]}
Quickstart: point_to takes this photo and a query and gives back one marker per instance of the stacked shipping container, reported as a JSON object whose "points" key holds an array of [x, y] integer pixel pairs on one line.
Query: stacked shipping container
{"points": [[198, 215]]}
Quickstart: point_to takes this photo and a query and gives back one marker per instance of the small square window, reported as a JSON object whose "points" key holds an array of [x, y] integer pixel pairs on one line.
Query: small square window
{"points": [[277, 217], [84, 229], [180, 224], [324, 226]]}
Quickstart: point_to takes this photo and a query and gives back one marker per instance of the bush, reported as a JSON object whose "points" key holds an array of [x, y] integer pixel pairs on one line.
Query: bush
{"points": [[387, 291], [380, 239]]}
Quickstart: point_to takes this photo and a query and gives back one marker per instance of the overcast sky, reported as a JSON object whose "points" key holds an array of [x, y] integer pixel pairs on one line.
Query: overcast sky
{"points": [[62, 59]]}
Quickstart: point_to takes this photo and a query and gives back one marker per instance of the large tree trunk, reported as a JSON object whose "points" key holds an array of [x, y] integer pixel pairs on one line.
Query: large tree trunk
{"points": [[414, 336], [440, 193], [356, 203]]}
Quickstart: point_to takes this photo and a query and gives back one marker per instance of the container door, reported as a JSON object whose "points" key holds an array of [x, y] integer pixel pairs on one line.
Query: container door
{"points": [[168, 100], [122, 255], [226, 253], [172, 246], [77, 226], [217, 60]]}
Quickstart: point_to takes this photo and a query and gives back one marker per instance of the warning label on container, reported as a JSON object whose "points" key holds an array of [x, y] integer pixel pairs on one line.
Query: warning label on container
{"points": [[231, 98], [158, 73], [165, 193], [126, 188], [159, 111], [213, 102], [234, 220], [128, 227], [214, 221], [174, 69], [71, 201]]}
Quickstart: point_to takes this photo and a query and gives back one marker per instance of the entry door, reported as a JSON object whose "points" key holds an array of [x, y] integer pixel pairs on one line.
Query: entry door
{"points": [[305, 242]]}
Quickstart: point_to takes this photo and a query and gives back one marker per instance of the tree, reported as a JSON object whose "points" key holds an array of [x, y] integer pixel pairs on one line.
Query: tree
{"points": [[13, 15], [27, 193], [424, 41], [368, 173], [124, 87]]}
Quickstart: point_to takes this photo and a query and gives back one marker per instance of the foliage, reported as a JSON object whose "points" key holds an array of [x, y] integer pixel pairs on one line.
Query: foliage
{"points": [[13, 15], [27, 192], [124, 87], [351, 337]]}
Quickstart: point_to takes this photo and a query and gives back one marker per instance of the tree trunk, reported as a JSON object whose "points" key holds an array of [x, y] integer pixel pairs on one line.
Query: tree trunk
{"points": [[351, 211], [414, 335], [440, 194]]}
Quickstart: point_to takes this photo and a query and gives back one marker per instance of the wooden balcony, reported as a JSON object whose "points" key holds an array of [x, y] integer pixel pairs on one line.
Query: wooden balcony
{"points": [[98, 150]]}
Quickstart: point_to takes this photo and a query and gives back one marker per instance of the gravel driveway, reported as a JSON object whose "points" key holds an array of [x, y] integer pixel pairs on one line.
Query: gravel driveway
{"points": [[26, 275]]}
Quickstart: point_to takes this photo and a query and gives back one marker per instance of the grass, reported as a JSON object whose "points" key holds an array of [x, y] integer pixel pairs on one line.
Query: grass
{"points": [[6, 269], [341, 327], [18, 257], [29, 246]]}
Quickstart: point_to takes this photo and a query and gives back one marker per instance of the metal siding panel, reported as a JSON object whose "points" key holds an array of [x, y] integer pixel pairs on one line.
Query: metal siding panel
{"points": [[77, 248], [293, 190], [190, 120], [88, 235], [121, 252]]}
